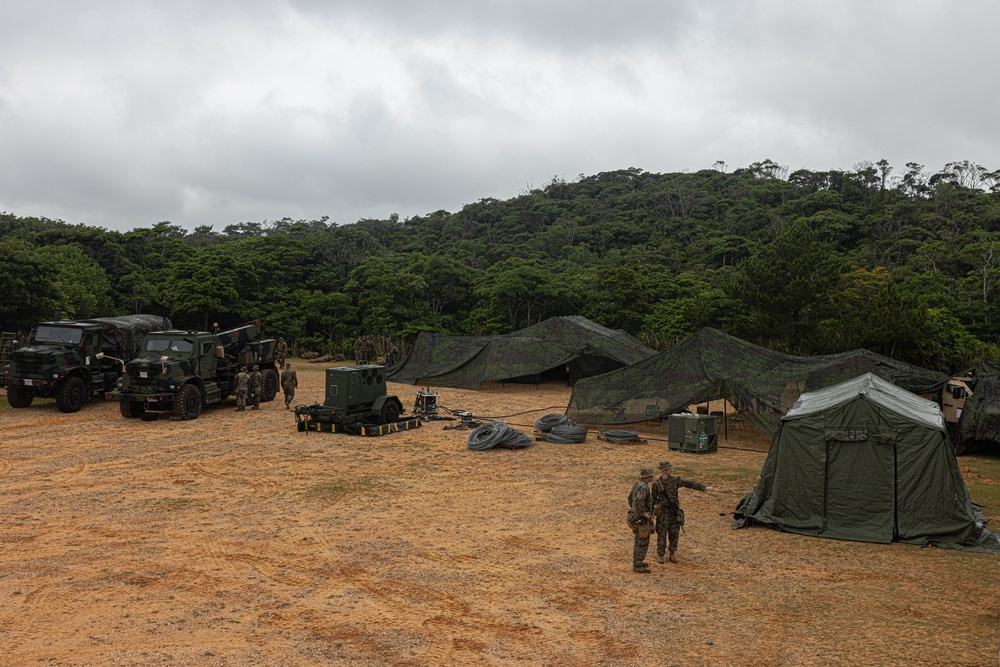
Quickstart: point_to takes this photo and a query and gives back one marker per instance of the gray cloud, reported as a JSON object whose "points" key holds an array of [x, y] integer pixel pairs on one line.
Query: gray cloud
{"points": [[216, 113]]}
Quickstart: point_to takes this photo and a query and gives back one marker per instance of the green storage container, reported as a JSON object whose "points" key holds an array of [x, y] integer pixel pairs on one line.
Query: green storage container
{"points": [[697, 434]]}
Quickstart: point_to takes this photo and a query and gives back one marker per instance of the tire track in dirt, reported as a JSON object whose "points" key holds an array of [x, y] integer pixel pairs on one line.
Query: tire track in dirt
{"points": [[449, 614], [57, 479]]}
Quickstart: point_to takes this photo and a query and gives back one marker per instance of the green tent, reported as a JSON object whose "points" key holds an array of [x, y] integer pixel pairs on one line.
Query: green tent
{"points": [[866, 460]]}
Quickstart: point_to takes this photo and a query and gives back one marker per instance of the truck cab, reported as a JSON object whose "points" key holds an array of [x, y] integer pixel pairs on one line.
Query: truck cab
{"points": [[61, 362]]}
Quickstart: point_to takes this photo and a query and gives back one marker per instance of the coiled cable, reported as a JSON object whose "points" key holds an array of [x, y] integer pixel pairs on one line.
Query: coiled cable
{"points": [[547, 422], [618, 435], [567, 435], [497, 434]]}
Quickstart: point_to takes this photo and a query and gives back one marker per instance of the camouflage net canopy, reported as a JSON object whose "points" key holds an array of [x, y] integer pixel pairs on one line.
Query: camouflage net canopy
{"points": [[980, 420], [564, 347], [760, 383]]}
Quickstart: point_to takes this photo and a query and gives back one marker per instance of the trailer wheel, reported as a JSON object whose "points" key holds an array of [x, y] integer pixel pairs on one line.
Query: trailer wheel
{"points": [[389, 413], [270, 385], [70, 395], [187, 405], [130, 409], [19, 397]]}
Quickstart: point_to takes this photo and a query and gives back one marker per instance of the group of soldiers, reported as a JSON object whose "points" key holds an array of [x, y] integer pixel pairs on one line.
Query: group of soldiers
{"points": [[654, 507], [365, 351], [250, 385]]}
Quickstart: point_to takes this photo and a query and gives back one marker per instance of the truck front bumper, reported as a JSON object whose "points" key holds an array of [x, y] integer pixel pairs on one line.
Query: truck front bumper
{"points": [[151, 398]]}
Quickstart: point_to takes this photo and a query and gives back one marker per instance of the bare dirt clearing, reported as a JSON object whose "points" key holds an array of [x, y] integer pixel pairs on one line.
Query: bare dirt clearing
{"points": [[234, 539]]}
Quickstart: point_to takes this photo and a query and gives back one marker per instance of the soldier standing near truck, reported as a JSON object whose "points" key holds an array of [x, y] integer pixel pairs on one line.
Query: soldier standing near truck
{"points": [[289, 381], [242, 385], [256, 387], [280, 352]]}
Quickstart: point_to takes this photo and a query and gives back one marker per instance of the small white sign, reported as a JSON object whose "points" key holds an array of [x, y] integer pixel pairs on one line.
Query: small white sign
{"points": [[143, 374], [87, 362], [27, 383]]}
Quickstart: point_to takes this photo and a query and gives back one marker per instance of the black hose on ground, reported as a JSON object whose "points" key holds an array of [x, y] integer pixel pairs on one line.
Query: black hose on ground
{"points": [[497, 434], [547, 422], [618, 435], [567, 434]]}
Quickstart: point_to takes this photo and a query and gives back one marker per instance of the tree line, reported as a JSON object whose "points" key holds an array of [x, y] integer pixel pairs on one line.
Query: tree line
{"points": [[806, 262]]}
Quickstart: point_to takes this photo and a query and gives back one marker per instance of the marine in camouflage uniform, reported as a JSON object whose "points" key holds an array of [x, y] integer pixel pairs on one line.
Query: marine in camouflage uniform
{"points": [[358, 350], [391, 353], [289, 381], [640, 518], [242, 384], [281, 351], [256, 387], [666, 507]]}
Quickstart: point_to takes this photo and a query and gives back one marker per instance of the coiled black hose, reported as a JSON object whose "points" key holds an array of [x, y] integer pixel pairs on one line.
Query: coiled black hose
{"points": [[618, 435], [548, 422], [497, 434], [567, 435]]}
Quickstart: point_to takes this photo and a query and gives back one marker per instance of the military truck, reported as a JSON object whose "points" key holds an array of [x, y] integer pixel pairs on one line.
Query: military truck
{"points": [[355, 398], [181, 371], [71, 360]]}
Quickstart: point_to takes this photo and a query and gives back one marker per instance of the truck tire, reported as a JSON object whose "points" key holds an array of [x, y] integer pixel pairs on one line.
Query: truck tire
{"points": [[71, 394], [389, 413], [19, 397], [270, 385], [187, 403], [130, 409]]}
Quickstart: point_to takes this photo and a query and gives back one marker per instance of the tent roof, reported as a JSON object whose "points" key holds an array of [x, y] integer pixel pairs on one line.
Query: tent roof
{"points": [[468, 361], [709, 365], [872, 388]]}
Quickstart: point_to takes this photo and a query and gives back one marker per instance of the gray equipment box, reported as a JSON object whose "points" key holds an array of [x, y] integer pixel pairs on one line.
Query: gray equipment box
{"points": [[697, 434]]}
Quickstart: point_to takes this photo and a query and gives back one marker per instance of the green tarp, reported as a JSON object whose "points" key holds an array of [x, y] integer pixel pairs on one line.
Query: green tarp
{"points": [[571, 347], [709, 365], [866, 460]]}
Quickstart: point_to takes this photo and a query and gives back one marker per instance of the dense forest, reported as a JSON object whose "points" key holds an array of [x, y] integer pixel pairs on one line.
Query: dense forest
{"points": [[808, 262]]}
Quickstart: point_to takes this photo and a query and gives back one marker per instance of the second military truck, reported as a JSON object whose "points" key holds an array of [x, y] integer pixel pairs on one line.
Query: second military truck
{"points": [[180, 371]]}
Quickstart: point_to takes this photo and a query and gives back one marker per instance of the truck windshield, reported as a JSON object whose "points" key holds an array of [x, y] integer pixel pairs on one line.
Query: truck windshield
{"points": [[169, 345], [50, 334]]}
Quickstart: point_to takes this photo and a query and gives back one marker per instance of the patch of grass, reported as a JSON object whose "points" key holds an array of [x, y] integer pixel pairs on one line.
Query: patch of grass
{"points": [[982, 477], [744, 474], [338, 487], [171, 504]]}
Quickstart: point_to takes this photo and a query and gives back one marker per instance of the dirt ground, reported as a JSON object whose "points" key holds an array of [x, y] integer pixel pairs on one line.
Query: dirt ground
{"points": [[234, 539]]}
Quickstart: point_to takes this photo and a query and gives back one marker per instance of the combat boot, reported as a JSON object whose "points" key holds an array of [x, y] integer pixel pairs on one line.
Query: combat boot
{"points": [[659, 558], [673, 558], [641, 568]]}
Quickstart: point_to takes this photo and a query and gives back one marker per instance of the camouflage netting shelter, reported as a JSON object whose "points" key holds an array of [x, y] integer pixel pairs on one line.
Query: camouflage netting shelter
{"points": [[980, 420], [710, 365], [865, 460], [565, 347]]}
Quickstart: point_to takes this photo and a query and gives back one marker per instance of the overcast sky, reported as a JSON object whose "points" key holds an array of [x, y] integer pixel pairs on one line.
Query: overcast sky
{"points": [[124, 114]]}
